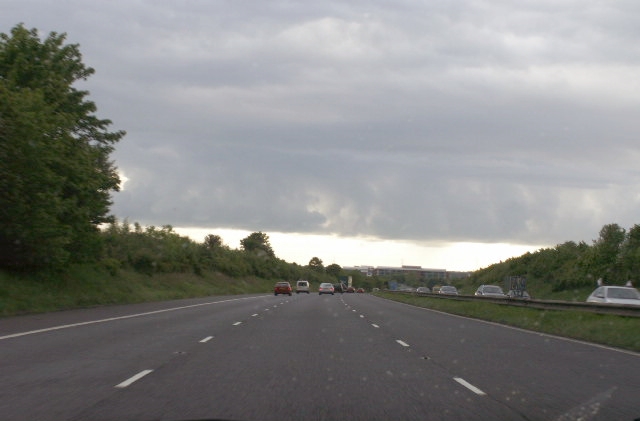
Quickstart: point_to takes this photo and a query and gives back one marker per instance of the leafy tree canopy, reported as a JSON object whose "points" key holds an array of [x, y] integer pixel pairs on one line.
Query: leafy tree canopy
{"points": [[334, 269], [257, 243], [55, 173], [316, 264]]}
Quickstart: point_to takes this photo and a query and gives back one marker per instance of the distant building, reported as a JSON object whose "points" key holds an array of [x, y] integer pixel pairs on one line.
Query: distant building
{"points": [[422, 273], [426, 274], [366, 270]]}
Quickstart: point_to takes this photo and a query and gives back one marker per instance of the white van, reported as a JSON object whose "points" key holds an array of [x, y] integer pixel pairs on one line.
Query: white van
{"points": [[302, 286]]}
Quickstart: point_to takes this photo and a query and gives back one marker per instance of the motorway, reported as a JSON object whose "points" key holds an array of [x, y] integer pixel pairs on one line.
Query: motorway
{"points": [[306, 357]]}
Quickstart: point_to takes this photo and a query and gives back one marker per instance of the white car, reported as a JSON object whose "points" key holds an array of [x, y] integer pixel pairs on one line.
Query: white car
{"points": [[615, 295], [302, 286]]}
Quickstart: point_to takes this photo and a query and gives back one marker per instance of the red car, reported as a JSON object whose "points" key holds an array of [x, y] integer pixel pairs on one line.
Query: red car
{"points": [[282, 288]]}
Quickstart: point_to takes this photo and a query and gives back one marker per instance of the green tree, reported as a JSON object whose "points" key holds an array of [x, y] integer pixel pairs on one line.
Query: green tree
{"points": [[213, 241], [334, 270], [630, 255], [55, 174], [315, 264], [257, 243]]}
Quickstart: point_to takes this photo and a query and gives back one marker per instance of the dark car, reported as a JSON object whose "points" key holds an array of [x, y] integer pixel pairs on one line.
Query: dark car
{"points": [[339, 288], [282, 288]]}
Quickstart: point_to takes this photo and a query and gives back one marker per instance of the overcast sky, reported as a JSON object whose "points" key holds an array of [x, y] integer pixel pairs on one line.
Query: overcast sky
{"points": [[419, 124]]}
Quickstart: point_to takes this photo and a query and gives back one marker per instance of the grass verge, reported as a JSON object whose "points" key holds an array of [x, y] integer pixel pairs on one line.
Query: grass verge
{"points": [[605, 329], [89, 286]]}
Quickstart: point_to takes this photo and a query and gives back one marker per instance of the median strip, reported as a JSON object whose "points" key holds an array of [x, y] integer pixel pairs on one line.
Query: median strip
{"points": [[133, 379]]}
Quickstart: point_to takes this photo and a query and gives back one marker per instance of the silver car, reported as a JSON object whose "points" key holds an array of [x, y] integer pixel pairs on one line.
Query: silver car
{"points": [[448, 290], [615, 295], [325, 288], [490, 291]]}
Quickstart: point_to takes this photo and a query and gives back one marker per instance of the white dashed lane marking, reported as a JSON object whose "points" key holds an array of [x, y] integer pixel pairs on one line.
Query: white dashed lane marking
{"points": [[133, 379], [402, 343], [207, 339], [469, 386]]}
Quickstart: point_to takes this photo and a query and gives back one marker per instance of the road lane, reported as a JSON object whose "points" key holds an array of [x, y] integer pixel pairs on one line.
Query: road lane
{"points": [[53, 374]]}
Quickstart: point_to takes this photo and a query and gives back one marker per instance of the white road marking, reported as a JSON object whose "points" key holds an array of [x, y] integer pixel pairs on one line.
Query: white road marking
{"points": [[361, 316], [237, 323], [375, 325], [207, 339], [135, 378], [254, 314], [111, 319], [403, 343], [469, 386]]}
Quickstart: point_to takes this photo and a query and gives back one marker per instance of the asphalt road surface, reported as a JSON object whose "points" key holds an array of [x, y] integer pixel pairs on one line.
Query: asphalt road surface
{"points": [[306, 357]]}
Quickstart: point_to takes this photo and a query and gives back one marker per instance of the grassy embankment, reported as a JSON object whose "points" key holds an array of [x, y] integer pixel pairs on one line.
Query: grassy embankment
{"points": [[611, 330], [88, 286]]}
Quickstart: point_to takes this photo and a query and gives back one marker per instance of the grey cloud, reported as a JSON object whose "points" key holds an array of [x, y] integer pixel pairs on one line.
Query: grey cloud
{"points": [[453, 121]]}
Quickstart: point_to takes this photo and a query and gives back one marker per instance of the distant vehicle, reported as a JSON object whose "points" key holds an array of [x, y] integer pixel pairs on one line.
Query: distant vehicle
{"points": [[423, 290], [448, 290], [325, 288], [615, 295], [436, 289], [302, 286], [351, 289], [522, 295], [490, 291], [339, 288], [282, 288], [360, 290]]}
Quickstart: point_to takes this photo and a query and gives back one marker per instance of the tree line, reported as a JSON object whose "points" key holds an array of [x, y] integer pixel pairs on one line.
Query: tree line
{"points": [[153, 249], [613, 258]]}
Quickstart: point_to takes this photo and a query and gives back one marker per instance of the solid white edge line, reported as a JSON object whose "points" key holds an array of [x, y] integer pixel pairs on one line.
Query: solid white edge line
{"points": [[111, 319], [207, 339], [135, 378], [469, 386], [403, 343]]}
